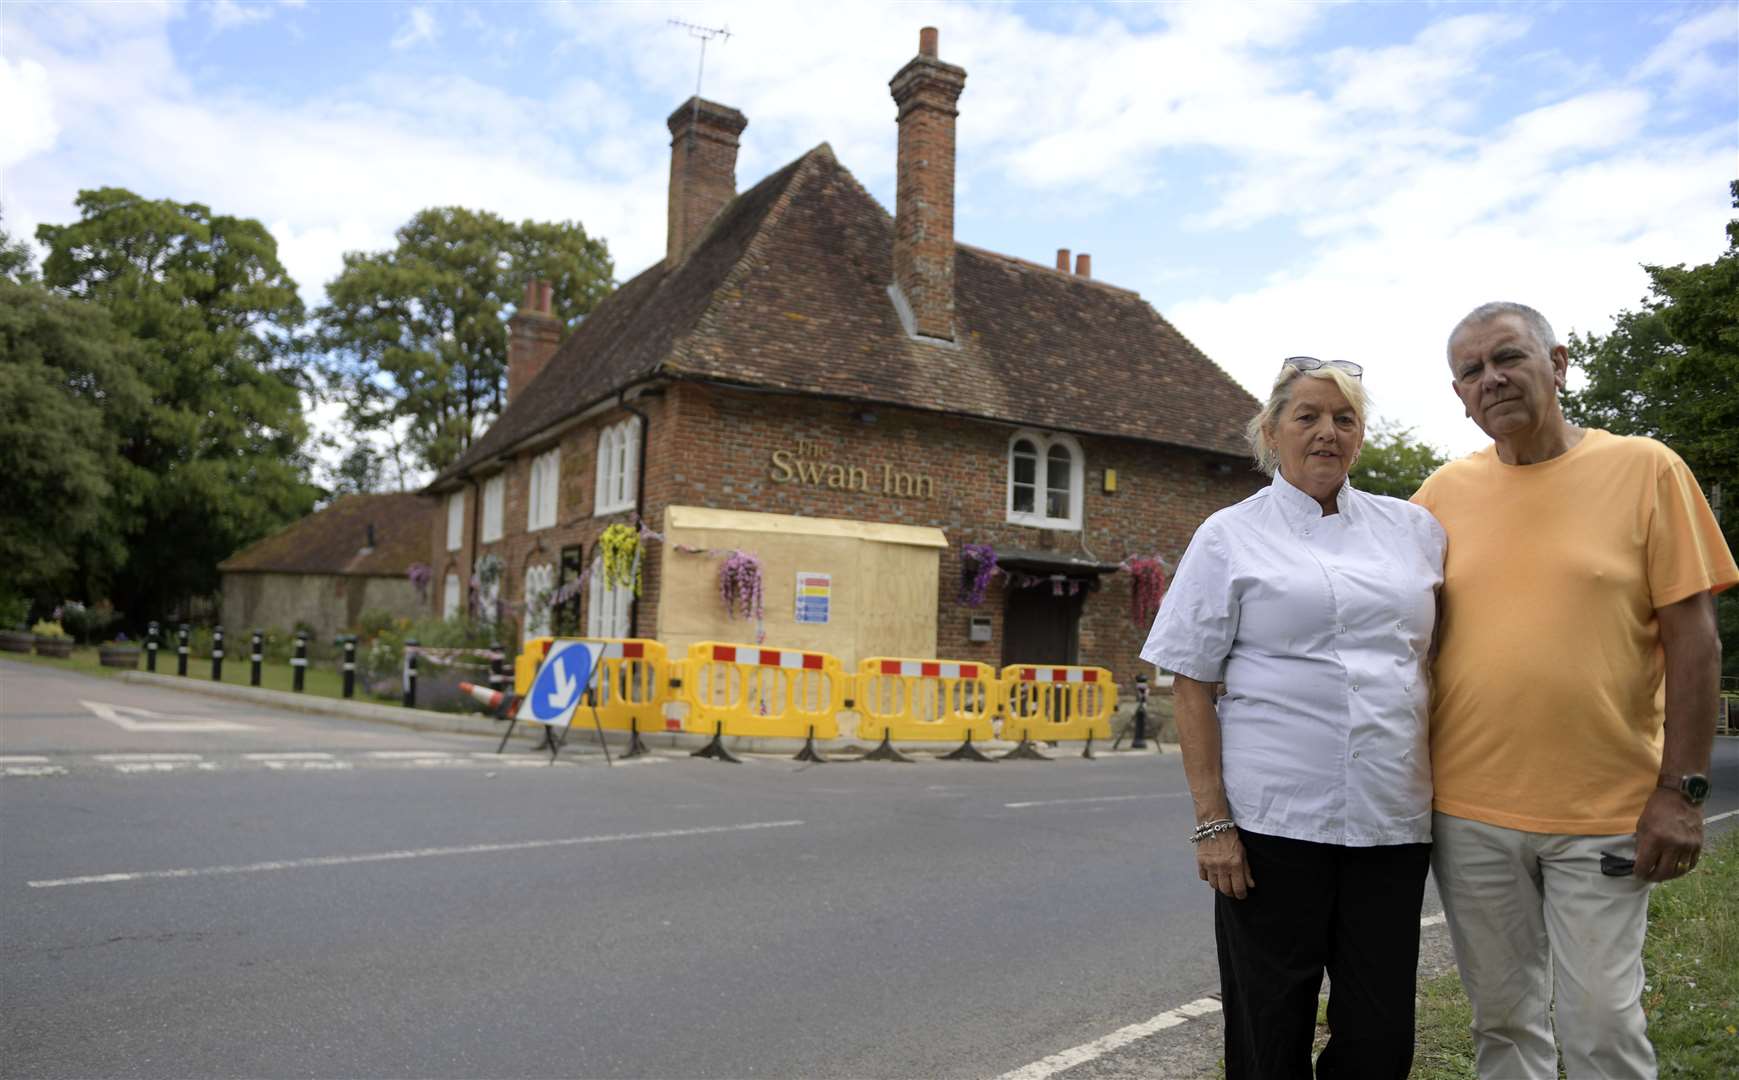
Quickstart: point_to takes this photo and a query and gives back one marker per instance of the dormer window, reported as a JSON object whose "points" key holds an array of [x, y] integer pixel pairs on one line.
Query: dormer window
{"points": [[1044, 481]]}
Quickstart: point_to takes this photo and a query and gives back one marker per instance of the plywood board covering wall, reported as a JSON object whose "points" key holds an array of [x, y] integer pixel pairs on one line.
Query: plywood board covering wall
{"points": [[885, 580]]}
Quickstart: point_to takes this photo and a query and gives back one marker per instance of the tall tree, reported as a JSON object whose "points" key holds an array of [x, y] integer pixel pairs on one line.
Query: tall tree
{"points": [[417, 336], [1393, 462], [68, 388], [1671, 371], [14, 257], [216, 456]]}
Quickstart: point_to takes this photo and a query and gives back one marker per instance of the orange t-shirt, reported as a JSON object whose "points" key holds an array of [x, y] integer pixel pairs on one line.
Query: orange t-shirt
{"points": [[1548, 693]]}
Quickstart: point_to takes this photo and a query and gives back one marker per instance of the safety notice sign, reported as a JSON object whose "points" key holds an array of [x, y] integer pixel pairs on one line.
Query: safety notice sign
{"points": [[814, 596]]}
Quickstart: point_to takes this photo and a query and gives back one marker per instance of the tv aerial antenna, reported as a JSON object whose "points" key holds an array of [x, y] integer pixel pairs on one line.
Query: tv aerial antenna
{"points": [[705, 34]]}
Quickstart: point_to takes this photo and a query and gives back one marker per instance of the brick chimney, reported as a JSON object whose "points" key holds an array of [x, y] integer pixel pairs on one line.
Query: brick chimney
{"points": [[532, 336], [925, 90], [1083, 265], [703, 169]]}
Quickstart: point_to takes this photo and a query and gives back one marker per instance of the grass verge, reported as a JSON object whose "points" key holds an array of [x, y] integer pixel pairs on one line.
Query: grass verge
{"points": [[1691, 996]]}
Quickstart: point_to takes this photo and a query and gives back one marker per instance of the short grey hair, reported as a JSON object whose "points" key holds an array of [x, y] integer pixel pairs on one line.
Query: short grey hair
{"points": [[1484, 313], [1261, 446]]}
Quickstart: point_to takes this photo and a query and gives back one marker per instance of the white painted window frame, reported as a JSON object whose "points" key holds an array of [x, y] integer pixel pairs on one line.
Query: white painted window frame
{"points": [[539, 578], [456, 520], [494, 506], [618, 467], [606, 607], [452, 596], [1041, 480], [540, 503]]}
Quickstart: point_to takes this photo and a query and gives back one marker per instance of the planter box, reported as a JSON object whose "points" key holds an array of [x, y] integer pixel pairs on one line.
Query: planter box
{"points": [[16, 641], [60, 648], [119, 656]]}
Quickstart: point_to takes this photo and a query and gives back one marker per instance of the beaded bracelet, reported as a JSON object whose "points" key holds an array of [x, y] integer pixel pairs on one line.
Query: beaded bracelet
{"points": [[1212, 828]]}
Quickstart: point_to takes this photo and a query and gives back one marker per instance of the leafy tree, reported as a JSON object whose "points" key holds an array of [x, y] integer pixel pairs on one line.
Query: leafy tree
{"points": [[216, 456], [418, 334], [69, 386], [14, 258], [1393, 462], [1671, 371]]}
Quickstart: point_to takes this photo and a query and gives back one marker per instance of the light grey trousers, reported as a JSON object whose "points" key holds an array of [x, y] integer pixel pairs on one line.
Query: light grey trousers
{"points": [[1527, 910]]}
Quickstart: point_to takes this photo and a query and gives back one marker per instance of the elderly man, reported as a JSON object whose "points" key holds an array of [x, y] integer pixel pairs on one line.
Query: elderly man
{"points": [[1573, 704]]}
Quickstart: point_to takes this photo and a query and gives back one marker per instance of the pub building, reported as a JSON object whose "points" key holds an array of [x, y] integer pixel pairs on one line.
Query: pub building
{"points": [[851, 398]]}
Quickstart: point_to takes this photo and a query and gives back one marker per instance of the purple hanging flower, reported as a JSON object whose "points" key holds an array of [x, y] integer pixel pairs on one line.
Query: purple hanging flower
{"points": [[740, 585], [977, 564]]}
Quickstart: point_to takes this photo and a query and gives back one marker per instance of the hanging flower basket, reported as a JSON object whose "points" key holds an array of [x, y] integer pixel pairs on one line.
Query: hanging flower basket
{"points": [[1147, 590], [740, 585], [977, 564], [621, 544]]}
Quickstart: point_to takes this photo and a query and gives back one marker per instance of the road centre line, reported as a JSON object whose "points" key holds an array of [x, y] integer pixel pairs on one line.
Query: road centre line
{"points": [[1095, 799], [306, 755], [408, 755], [22, 759], [109, 759], [410, 853]]}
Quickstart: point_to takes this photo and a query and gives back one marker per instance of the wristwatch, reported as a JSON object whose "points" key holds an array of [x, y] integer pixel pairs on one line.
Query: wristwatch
{"points": [[1693, 786]]}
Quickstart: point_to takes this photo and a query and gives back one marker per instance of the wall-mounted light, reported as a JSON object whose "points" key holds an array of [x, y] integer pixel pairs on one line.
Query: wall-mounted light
{"points": [[1110, 481]]}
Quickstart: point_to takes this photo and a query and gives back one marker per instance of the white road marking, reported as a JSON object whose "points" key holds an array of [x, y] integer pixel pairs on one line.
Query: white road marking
{"points": [[308, 755], [111, 758], [162, 766], [22, 759], [1719, 817], [408, 755], [1080, 1055], [411, 853], [1118, 1039], [128, 718], [332, 766], [1096, 799], [32, 770]]}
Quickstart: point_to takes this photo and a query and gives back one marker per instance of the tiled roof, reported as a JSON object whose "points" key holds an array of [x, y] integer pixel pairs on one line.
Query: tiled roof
{"points": [[789, 290], [334, 540]]}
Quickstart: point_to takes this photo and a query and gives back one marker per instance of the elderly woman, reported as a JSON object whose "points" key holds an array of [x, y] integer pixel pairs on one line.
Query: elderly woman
{"points": [[1314, 604]]}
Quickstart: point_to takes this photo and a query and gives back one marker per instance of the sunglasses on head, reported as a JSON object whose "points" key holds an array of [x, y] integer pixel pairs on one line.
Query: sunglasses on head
{"points": [[1311, 363]]}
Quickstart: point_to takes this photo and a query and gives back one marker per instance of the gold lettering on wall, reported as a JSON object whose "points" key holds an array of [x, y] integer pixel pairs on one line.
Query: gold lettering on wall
{"points": [[806, 465]]}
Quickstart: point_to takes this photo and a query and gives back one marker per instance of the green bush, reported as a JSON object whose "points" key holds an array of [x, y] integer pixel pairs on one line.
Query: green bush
{"points": [[46, 628]]}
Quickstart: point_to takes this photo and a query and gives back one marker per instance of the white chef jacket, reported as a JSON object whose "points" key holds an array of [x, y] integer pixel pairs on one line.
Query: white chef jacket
{"points": [[1318, 625]]}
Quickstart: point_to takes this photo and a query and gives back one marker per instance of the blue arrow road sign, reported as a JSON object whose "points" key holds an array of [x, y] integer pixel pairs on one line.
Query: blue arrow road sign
{"points": [[561, 683]]}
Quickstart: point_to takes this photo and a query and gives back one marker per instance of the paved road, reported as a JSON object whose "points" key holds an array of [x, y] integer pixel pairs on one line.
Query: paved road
{"points": [[310, 897]]}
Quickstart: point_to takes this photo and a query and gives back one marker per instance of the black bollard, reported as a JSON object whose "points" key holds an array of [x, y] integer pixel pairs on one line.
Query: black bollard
{"points": [[350, 665], [497, 673], [255, 655], [299, 662], [181, 650], [151, 636], [217, 653], [1140, 742], [411, 673]]}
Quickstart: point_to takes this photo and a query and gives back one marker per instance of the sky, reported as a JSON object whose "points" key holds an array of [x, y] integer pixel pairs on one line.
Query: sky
{"points": [[1334, 179]]}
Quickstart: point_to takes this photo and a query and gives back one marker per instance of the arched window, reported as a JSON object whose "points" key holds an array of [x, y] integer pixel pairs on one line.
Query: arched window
{"points": [[606, 606], [618, 467], [452, 600], [1045, 474], [540, 502], [540, 582]]}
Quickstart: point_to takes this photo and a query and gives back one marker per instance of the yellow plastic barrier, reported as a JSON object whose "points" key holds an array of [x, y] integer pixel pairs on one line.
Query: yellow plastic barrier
{"points": [[1053, 703], [777, 693], [912, 700], [632, 682]]}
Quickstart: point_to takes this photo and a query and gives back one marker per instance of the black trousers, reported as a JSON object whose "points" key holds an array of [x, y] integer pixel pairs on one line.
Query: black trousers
{"points": [[1351, 911]]}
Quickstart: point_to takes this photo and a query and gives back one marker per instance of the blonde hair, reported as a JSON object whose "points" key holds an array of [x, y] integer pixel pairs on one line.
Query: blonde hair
{"points": [[1261, 446]]}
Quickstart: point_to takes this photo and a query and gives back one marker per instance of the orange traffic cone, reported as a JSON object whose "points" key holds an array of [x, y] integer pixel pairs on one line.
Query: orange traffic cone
{"points": [[489, 699]]}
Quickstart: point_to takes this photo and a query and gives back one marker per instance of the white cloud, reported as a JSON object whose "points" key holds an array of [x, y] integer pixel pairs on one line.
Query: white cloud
{"points": [[1685, 54], [419, 27], [227, 14], [27, 124]]}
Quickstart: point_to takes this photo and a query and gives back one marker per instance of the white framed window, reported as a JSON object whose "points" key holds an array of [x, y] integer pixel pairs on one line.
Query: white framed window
{"points": [[452, 599], [1045, 479], [618, 466], [494, 497], [540, 503], [606, 607], [455, 520], [540, 582]]}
